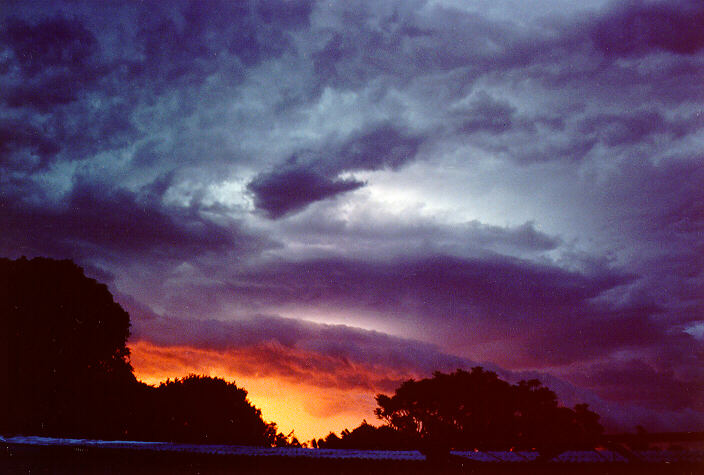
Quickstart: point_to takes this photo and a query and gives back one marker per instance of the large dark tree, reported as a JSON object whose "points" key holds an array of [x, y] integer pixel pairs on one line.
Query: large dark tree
{"points": [[63, 351], [478, 410]]}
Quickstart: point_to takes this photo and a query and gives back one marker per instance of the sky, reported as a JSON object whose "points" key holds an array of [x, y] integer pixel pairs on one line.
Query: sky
{"points": [[320, 200]]}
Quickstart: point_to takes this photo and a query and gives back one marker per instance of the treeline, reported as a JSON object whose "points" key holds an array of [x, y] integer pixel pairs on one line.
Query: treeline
{"points": [[367, 437], [65, 372], [473, 410]]}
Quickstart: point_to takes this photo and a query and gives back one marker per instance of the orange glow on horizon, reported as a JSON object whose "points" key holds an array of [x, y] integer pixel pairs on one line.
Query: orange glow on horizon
{"points": [[310, 410]]}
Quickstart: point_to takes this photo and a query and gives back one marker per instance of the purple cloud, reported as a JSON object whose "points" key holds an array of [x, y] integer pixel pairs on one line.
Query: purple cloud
{"points": [[638, 28], [291, 189], [302, 181], [116, 221]]}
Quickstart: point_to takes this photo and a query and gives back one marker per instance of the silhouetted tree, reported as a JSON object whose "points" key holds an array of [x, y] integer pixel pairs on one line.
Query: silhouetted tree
{"points": [[201, 409], [279, 439], [478, 410], [63, 351], [331, 441]]}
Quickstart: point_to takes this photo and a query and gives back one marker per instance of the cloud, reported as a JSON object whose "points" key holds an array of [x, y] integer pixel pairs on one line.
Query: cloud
{"points": [[636, 127], [322, 355], [525, 236], [367, 230], [313, 176], [485, 113], [52, 60], [638, 28], [436, 279], [291, 14], [23, 146], [384, 146], [115, 220], [293, 188], [636, 381], [54, 43], [473, 306]]}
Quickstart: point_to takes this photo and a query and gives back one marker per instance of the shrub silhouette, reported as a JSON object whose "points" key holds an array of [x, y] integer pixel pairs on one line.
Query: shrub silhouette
{"points": [[203, 409], [65, 371], [468, 410], [367, 437]]}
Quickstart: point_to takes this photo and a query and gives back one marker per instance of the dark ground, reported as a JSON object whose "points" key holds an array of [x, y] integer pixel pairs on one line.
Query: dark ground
{"points": [[18, 459]]}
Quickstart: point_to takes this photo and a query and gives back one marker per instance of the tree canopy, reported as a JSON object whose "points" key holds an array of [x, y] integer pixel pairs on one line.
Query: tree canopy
{"points": [[366, 437], [200, 409], [477, 409], [62, 349]]}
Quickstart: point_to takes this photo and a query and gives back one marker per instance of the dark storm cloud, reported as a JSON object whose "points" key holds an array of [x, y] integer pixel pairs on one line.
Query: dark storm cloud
{"points": [[401, 43], [287, 13], [53, 43], [437, 283], [636, 28], [292, 188], [574, 57], [485, 113], [547, 317], [313, 176], [658, 206], [23, 146], [659, 41], [384, 146], [34, 144], [113, 220], [93, 85], [91, 98], [465, 302], [587, 333], [635, 127], [51, 67], [51, 62], [189, 41], [639, 382], [615, 58]]}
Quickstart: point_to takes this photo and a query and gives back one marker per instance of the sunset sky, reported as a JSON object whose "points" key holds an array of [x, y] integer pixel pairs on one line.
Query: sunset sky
{"points": [[320, 200]]}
